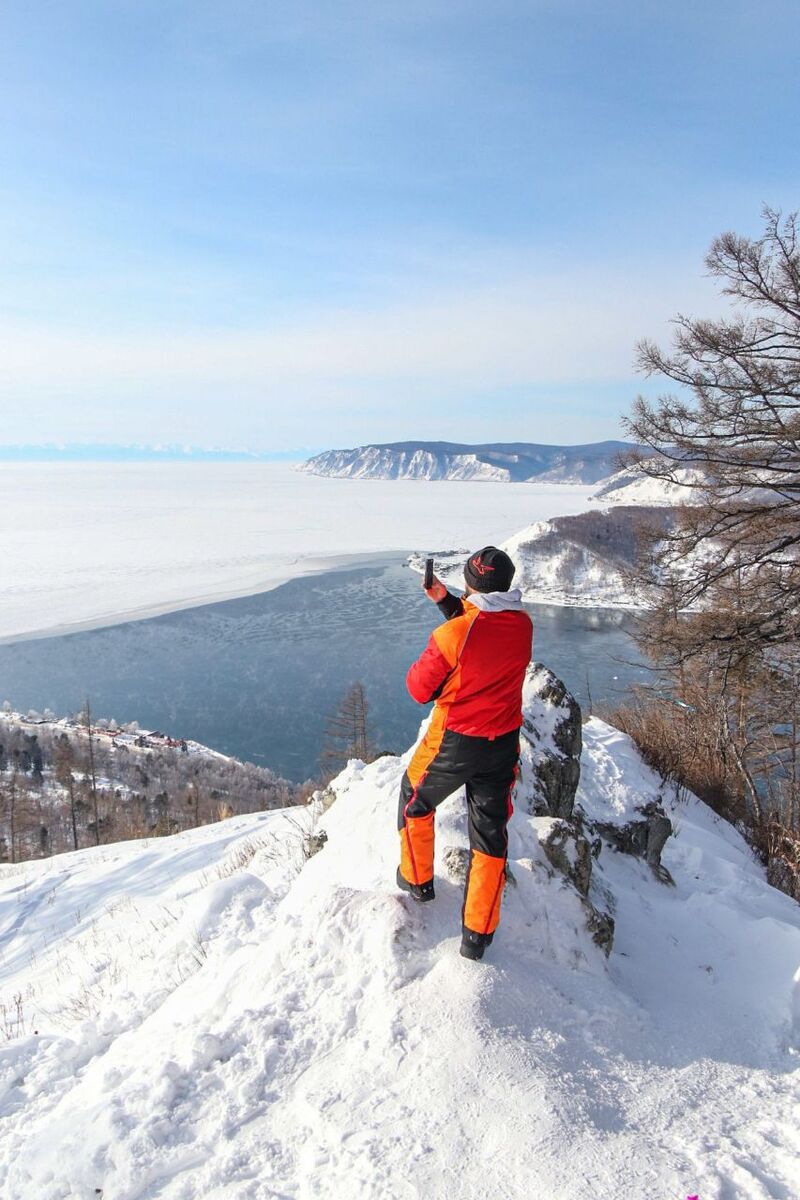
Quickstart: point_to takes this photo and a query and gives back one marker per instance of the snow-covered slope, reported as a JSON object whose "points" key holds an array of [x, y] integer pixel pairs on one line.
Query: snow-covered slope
{"points": [[206, 1017], [633, 487], [583, 560], [498, 462]]}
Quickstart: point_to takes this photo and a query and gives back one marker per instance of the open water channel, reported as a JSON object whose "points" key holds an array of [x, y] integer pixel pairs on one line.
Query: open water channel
{"points": [[256, 677]]}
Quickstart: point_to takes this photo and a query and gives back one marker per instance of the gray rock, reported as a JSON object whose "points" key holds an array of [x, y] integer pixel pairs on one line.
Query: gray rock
{"points": [[313, 842], [567, 734], [571, 854], [644, 839], [456, 865], [551, 731], [600, 926], [558, 782]]}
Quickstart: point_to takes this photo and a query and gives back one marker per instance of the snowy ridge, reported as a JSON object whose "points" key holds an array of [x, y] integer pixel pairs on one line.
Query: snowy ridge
{"points": [[375, 462], [514, 462], [583, 560], [216, 1019], [630, 486], [554, 568]]}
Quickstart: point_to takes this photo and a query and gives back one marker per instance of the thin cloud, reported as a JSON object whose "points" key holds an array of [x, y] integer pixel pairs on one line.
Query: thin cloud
{"points": [[551, 330]]}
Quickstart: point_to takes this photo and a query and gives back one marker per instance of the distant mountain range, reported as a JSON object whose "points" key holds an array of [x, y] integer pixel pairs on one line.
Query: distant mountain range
{"points": [[107, 452], [498, 462]]}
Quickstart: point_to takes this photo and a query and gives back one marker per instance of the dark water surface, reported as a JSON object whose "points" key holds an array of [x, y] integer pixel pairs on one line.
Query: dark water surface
{"points": [[257, 677]]}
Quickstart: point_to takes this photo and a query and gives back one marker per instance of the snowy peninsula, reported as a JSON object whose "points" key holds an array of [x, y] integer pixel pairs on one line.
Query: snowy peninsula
{"points": [[496, 462]]}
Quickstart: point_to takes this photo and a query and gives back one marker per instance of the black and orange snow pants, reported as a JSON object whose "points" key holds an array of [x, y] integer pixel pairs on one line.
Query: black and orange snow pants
{"points": [[487, 769]]}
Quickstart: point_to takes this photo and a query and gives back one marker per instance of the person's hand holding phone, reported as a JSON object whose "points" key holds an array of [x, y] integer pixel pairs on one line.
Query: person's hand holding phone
{"points": [[433, 587]]}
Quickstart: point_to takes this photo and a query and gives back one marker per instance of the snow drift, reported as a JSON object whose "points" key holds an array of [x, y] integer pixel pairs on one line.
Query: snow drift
{"points": [[218, 1015]]}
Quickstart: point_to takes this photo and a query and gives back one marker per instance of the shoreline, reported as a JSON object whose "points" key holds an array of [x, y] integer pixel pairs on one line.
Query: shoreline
{"points": [[302, 569], [115, 543], [309, 568], [313, 567]]}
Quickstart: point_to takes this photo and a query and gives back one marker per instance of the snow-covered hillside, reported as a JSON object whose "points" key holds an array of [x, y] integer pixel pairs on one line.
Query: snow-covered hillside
{"points": [[498, 462], [633, 487], [212, 1017], [583, 561], [142, 780]]}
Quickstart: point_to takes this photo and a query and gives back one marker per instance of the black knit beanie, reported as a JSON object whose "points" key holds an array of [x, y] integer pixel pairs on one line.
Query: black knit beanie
{"points": [[490, 570]]}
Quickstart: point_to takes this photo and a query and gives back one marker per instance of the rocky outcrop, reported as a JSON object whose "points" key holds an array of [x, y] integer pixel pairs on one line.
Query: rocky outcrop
{"points": [[644, 838], [571, 854], [571, 835], [567, 850], [550, 769], [550, 744], [600, 925]]}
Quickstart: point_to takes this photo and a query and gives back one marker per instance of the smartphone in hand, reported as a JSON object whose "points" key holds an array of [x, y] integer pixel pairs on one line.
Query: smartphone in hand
{"points": [[428, 573]]}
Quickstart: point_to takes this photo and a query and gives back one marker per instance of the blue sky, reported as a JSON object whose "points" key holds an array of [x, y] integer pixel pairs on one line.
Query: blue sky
{"points": [[277, 225]]}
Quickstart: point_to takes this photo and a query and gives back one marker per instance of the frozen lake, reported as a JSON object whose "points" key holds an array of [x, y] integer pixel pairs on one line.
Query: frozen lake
{"points": [[85, 544], [256, 677]]}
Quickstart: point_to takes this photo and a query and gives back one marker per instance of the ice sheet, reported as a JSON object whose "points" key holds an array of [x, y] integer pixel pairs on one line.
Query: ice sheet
{"points": [[86, 544]]}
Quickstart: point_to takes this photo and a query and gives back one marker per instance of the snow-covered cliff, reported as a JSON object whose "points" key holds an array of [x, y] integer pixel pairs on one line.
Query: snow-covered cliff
{"points": [[583, 561], [496, 462], [218, 1015]]}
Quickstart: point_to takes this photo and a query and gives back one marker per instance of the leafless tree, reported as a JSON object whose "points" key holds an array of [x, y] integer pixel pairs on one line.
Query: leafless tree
{"points": [[733, 434], [16, 810], [346, 732], [724, 580]]}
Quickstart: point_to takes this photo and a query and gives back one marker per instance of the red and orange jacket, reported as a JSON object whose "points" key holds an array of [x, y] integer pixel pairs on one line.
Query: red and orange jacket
{"points": [[474, 664]]}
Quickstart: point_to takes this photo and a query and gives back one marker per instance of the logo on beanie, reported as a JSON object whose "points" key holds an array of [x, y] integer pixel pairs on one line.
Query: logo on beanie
{"points": [[480, 566]]}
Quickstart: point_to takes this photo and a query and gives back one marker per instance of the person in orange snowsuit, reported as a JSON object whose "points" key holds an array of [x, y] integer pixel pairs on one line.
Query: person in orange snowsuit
{"points": [[473, 668]]}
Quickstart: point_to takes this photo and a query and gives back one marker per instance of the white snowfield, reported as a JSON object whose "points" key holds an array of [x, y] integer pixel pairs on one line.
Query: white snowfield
{"points": [[206, 1018], [85, 544]]}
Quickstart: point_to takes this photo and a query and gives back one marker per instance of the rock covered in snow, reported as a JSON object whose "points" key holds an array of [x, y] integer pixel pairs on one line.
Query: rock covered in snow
{"points": [[644, 837], [550, 767], [550, 744], [550, 757], [567, 849], [456, 863]]}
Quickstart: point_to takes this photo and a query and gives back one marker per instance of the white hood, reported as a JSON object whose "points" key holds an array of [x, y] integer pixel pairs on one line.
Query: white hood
{"points": [[496, 601]]}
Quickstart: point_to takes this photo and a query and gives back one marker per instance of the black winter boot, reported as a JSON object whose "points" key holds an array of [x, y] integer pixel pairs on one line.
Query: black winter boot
{"points": [[474, 944], [420, 891]]}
